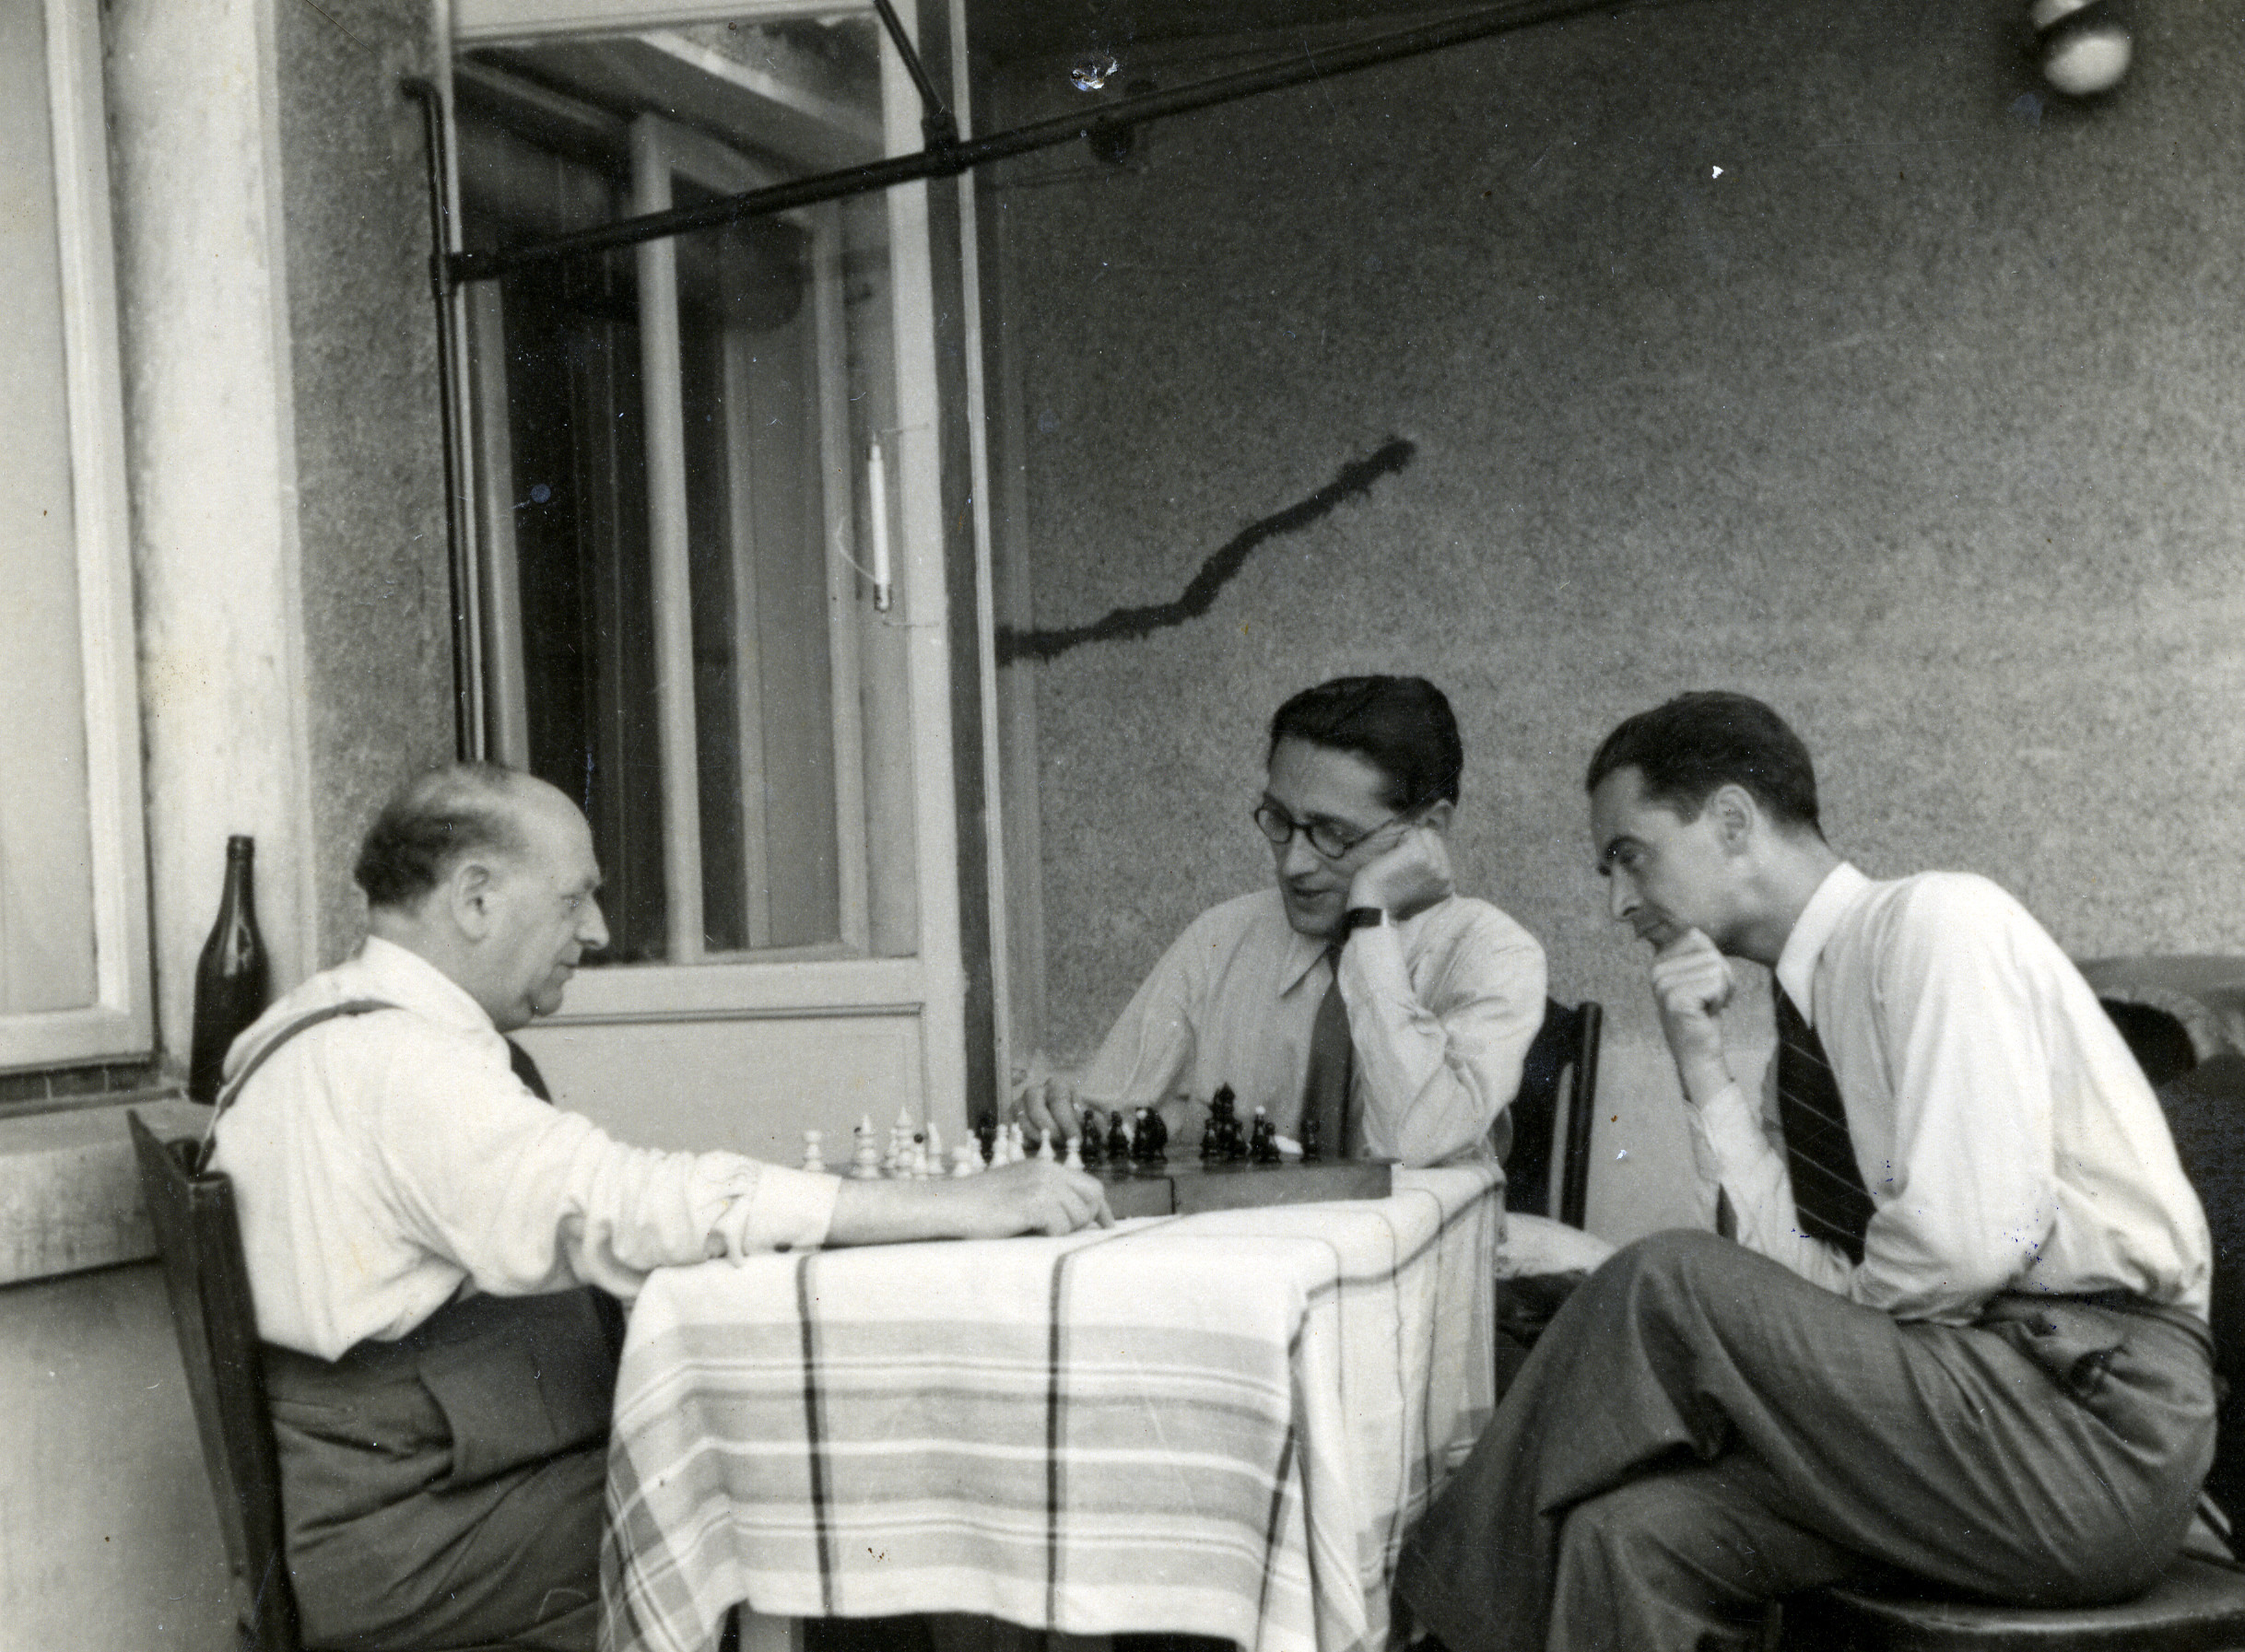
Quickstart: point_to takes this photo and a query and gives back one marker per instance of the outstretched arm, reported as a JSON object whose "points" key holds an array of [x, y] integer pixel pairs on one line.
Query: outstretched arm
{"points": [[1030, 1198]]}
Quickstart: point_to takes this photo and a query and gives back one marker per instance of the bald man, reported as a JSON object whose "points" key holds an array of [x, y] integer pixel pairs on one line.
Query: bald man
{"points": [[421, 1228]]}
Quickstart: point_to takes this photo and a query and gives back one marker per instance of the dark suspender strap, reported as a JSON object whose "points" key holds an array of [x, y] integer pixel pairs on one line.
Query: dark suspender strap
{"points": [[302, 1023]]}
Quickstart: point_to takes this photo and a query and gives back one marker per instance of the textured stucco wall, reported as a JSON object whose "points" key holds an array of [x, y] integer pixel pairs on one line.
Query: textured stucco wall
{"points": [[283, 437], [369, 462], [1922, 420]]}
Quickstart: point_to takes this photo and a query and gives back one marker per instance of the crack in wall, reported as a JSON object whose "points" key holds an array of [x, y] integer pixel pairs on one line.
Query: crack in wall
{"points": [[1124, 625]]}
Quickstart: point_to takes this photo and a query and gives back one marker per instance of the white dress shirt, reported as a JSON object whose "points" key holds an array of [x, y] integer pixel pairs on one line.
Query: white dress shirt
{"points": [[1442, 1008], [382, 1160], [2006, 1135]]}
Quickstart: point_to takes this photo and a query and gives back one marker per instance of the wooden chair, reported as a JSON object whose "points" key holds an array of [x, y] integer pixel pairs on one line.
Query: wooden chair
{"points": [[200, 1243], [2198, 1605], [1558, 1090], [198, 1238], [1558, 1080]]}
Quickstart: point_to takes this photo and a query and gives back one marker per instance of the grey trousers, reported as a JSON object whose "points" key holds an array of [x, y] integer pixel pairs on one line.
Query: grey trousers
{"points": [[444, 1489], [1701, 1430]]}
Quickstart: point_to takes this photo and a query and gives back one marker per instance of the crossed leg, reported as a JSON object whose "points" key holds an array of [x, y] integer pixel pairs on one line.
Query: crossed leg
{"points": [[1700, 1429]]}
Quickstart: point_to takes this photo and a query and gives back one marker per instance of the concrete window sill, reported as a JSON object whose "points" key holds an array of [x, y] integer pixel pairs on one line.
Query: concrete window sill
{"points": [[70, 1192]]}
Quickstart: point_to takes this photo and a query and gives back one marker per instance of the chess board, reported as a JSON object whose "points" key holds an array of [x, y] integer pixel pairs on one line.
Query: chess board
{"points": [[1186, 1186]]}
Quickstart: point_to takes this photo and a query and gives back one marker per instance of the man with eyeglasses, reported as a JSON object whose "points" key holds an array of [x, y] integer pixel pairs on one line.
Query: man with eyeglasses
{"points": [[1360, 990]]}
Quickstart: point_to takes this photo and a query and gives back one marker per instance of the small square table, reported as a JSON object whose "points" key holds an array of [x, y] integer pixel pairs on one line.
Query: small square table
{"points": [[1220, 1424]]}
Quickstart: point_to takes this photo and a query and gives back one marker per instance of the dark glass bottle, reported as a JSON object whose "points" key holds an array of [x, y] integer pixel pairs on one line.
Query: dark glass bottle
{"points": [[232, 978]]}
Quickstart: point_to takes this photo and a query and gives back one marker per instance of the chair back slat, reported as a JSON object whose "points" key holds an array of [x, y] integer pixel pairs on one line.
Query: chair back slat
{"points": [[1558, 1080], [199, 1240]]}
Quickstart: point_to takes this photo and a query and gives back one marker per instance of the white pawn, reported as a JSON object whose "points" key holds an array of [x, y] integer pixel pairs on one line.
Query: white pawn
{"points": [[814, 1156], [1074, 1161], [967, 1159], [1045, 1155]]}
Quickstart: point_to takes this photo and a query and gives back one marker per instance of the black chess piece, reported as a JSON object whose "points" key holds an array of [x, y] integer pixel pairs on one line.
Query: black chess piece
{"points": [[1262, 1141], [1088, 1140], [1117, 1140], [1313, 1147], [1153, 1136], [986, 1133], [1223, 1125]]}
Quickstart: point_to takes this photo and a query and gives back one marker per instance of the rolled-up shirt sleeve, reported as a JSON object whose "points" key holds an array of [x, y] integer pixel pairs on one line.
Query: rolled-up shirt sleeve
{"points": [[1438, 1056]]}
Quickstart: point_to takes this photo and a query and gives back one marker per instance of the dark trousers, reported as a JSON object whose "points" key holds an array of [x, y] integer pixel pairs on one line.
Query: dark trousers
{"points": [[444, 1489], [1701, 1430]]}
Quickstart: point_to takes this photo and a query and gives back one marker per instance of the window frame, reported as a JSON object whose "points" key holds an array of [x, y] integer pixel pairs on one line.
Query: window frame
{"points": [[120, 1022]]}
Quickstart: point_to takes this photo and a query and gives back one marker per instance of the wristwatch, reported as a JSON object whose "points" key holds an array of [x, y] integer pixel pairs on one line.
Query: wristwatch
{"points": [[1362, 918]]}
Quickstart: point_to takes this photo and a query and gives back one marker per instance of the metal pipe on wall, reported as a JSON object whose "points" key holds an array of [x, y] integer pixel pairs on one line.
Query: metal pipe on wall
{"points": [[949, 159]]}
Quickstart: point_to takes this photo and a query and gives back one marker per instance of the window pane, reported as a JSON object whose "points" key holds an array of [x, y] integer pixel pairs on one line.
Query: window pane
{"points": [[46, 848], [700, 421]]}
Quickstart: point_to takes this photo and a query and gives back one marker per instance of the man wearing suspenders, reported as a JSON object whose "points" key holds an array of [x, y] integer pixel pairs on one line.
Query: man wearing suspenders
{"points": [[421, 1229]]}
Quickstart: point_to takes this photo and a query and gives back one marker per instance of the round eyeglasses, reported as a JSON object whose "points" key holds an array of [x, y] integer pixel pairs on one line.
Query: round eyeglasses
{"points": [[1327, 839]]}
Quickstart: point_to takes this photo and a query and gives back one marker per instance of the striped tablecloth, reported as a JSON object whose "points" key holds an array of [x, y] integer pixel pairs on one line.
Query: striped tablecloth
{"points": [[1217, 1424]]}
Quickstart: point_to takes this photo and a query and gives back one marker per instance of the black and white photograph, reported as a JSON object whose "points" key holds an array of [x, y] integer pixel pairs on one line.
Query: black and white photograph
{"points": [[1122, 825]]}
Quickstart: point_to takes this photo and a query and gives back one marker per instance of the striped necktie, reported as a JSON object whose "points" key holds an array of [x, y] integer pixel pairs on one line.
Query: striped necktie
{"points": [[1332, 1062], [1829, 1200]]}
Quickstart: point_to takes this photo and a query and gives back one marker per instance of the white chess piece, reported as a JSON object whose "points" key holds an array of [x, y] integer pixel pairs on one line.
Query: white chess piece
{"points": [[865, 1163], [967, 1159], [1074, 1161], [814, 1156], [934, 1148], [1045, 1155]]}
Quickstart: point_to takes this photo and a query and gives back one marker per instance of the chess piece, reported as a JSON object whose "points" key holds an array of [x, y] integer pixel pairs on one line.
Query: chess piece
{"points": [[865, 1163], [966, 1160], [934, 1149], [1263, 1140], [1212, 1132], [1312, 1148], [1045, 1155], [985, 1136], [1118, 1139], [1088, 1142], [1074, 1161], [1149, 1139], [814, 1156]]}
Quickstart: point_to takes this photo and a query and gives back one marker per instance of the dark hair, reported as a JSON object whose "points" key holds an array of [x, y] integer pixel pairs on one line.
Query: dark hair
{"points": [[1696, 743], [429, 823], [1401, 726]]}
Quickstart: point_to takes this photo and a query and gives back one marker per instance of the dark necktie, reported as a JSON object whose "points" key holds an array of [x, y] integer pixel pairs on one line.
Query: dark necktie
{"points": [[527, 1071], [1828, 1195], [1332, 1062]]}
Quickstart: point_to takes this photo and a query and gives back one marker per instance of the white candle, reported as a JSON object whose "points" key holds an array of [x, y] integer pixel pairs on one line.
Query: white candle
{"points": [[876, 506]]}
